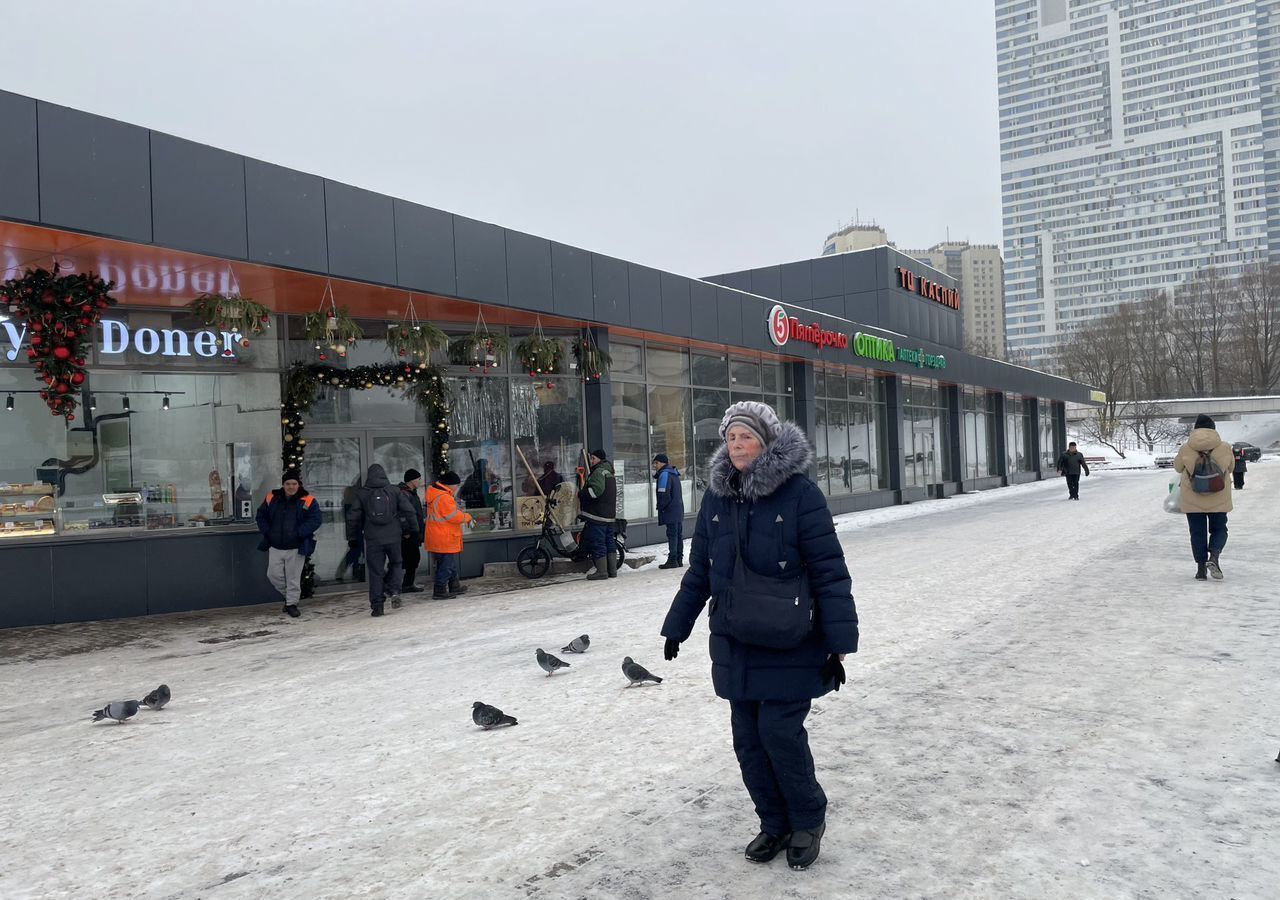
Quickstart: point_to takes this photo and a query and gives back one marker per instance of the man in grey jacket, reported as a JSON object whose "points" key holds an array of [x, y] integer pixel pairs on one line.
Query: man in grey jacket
{"points": [[1070, 464], [385, 514]]}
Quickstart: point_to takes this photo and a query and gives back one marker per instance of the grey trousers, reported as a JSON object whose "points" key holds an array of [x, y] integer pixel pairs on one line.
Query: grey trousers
{"points": [[284, 570]]}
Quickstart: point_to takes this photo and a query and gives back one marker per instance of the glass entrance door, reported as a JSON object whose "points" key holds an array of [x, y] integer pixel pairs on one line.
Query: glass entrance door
{"points": [[335, 466]]}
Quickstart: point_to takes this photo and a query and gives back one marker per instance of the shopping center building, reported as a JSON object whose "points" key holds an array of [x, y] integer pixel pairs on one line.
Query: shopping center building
{"points": [[144, 502]]}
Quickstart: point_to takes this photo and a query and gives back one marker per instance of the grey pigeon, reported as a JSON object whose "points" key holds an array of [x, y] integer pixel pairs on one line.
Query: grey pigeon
{"points": [[118, 710], [487, 716], [636, 673], [550, 663], [157, 698], [577, 645]]}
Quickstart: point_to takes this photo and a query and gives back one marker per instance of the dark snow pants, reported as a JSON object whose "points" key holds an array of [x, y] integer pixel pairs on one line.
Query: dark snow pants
{"points": [[1208, 534], [675, 541], [386, 570], [1073, 486], [1238, 477], [777, 767]]}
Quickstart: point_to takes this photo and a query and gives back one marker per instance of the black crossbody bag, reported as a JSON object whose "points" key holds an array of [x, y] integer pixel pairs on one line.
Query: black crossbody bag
{"points": [[767, 612]]}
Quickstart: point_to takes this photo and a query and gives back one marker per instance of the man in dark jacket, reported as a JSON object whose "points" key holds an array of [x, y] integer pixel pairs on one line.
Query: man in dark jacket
{"points": [[1070, 464], [411, 542], [550, 478], [762, 509], [670, 509], [288, 520], [384, 513], [598, 500], [1242, 466]]}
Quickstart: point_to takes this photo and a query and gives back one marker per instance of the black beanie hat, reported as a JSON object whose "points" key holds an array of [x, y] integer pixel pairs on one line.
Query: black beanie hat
{"points": [[410, 474], [599, 454], [449, 478], [662, 458], [291, 475], [1203, 421]]}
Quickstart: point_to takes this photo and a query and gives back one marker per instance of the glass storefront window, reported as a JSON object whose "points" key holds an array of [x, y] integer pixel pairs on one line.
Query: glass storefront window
{"points": [[480, 449], [628, 359], [668, 365], [708, 410], [631, 449], [671, 432], [770, 377], [546, 423], [710, 371], [744, 375], [841, 465], [1048, 446]]}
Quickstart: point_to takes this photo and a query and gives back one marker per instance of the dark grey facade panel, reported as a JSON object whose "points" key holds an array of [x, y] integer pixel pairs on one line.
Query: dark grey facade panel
{"points": [[424, 249], [480, 258], [286, 216], [529, 272], [755, 323], [797, 282], [19, 164], [677, 313], [767, 282], [95, 174], [197, 198], [859, 271], [77, 599], [832, 306], [610, 283], [26, 573], [729, 306], [704, 310], [827, 273], [739, 280], [644, 296], [189, 574], [362, 233], [571, 282]]}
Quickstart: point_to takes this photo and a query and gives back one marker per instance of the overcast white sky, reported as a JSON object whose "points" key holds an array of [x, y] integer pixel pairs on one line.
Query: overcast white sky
{"points": [[698, 137]]}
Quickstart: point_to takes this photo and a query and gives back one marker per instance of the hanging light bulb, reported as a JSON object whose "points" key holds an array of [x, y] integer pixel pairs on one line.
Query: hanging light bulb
{"points": [[8, 404], [164, 404], [126, 402]]}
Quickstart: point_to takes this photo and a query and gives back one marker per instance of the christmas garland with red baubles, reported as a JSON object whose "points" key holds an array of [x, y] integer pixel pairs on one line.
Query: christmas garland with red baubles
{"points": [[61, 313]]}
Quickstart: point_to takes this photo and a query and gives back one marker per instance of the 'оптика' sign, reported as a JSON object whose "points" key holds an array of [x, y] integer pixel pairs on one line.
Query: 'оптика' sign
{"points": [[884, 350], [116, 337], [783, 328]]}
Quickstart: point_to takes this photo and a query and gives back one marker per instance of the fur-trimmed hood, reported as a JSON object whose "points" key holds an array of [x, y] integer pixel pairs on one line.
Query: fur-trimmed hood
{"points": [[788, 455]]}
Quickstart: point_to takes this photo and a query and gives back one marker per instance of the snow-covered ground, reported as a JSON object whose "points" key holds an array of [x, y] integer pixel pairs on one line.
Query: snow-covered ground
{"points": [[1045, 705]]}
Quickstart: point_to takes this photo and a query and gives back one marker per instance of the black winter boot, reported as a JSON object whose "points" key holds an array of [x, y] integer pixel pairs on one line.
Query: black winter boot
{"points": [[671, 563], [601, 571], [456, 588], [804, 847], [375, 609], [1201, 573], [1214, 569], [441, 593], [765, 847], [292, 610], [611, 565]]}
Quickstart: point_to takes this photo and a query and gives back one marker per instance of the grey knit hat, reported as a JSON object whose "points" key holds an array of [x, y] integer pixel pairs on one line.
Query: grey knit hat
{"points": [[752, 414]]}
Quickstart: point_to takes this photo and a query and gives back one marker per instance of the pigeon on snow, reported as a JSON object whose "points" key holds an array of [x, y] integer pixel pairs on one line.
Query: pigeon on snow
{"points": [[157, 698], [636, 673], [550, 663], [487, 716], [118, 710], [577, 645]]}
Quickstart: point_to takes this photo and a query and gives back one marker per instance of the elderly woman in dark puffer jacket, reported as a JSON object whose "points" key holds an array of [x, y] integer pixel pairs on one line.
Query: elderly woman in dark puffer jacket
{"points": [[761, 495]]}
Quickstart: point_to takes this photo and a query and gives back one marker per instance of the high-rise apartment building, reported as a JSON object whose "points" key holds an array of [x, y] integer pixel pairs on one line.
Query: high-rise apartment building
{"points": [[977, 267], [1131, 150]]}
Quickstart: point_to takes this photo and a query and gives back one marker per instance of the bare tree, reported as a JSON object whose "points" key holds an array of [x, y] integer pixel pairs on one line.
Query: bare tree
{"points": [[1258, 342], [1150, 331], [1103, 428], [1151, 424], [1202, 314]]}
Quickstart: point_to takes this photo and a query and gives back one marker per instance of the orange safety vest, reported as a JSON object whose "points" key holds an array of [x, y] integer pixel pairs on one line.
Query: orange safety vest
{"points": [[444, 521]]}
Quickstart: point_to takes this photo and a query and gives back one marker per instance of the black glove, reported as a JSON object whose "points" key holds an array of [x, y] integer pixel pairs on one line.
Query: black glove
{"points": [[833, 669], [353, 544], [671, 650]]}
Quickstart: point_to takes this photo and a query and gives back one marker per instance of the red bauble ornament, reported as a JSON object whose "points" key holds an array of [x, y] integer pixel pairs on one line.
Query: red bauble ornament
{"points": [[55, 412], [37, 326], [36, 340], [322, 357], [62, 387], [78, 378], [31, 354], [71, 417], [402, 353], [61, 353], [79, 360]]}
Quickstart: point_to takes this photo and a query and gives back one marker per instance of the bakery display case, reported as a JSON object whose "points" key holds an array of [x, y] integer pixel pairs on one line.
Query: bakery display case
{"points": [[27, 510]]}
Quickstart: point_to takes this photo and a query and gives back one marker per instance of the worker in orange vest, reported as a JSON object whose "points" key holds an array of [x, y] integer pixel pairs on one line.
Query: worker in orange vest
{"points": [[444, 533]]}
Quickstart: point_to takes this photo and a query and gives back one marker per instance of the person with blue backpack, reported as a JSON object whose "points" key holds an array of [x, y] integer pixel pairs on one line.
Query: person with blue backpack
{"points": [[670, 509], [1205, 461], [384, 514]]}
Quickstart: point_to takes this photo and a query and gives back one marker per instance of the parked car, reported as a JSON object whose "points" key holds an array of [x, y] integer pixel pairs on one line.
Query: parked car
{"points": [[1164, 462], [1251, 453]]}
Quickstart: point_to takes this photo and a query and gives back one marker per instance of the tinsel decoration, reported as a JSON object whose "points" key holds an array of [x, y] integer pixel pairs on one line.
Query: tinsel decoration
{"points": [[592, 361], [540, 355], [481, 350], [331, 327], [424, 384], [60, 313], [231, 312], [412, 338]]}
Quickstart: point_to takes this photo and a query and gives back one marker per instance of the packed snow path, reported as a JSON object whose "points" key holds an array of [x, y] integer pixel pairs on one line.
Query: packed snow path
{"points": [[1045, 705]]}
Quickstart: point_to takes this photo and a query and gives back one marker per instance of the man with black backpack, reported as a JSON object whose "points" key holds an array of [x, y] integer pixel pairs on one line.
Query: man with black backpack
{"points": [[385, 513], [1205, 460]]}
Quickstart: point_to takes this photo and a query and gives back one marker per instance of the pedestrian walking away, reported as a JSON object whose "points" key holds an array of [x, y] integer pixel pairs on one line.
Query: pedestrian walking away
{"points": [[383, 514], [411, 541], [1241, 466], [444, 533], [670, 509], [764, 534], [1070, 464], [1204, 461], [288, 519], [598, 503], [353, 558]]}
